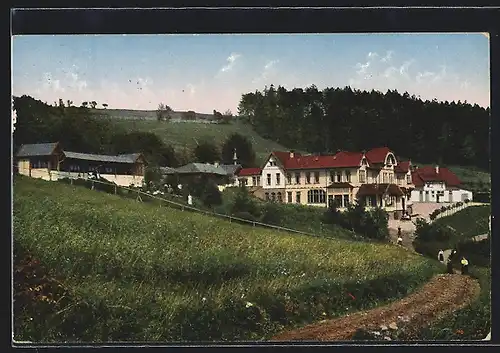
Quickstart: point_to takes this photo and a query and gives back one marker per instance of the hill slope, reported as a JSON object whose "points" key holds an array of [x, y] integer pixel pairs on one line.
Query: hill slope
{"points": [[134, 271], [188, 134]]}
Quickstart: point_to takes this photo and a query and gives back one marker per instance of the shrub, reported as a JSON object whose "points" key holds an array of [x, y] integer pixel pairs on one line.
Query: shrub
{"points": [[243, 202], [272, 213], [211, 195], [245, 215]]}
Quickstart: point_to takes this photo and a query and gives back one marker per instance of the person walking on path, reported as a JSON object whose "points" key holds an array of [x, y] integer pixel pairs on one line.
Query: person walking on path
{"points": [[400, 241], [465, 266], [441, 255]]}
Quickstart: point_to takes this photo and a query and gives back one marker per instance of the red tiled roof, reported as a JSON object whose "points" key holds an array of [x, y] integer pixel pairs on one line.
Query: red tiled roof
{"points": [[343, 159], [249, 171], [428, 174], [402, 167], [377, 155], [348, 159]]}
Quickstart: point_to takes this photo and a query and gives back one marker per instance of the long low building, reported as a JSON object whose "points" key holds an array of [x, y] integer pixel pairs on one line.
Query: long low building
{"points": [[49, 161]]}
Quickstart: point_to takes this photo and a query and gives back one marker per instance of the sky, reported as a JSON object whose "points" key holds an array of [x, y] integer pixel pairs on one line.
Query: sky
{"points": [[207, 72]]}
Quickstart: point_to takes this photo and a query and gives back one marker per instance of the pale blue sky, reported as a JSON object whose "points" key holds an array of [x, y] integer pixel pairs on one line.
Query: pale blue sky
{"points": [[206, 72]]}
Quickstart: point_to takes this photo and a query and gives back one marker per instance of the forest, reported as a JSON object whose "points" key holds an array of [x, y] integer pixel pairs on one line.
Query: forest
{"points": [[332, 119]]}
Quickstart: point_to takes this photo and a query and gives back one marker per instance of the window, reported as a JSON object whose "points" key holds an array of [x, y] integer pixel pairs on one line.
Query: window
{"points": [[267, 196], [278, 178], [109, 170], [316, 177], [391, 178], [258, 180], [244, 181], [289, 197], [332, 177], [308, 178], [268, 179], [338, 200], [362, 176], [384, 176], [272, 163], [363, 161], [297, 197], [348, 176], [288, 178], [316, 196], [408, 178], [346, 200], [280, 198], [254, 180], [372, 201], [297, 178], [339, 177], [273, 196]]}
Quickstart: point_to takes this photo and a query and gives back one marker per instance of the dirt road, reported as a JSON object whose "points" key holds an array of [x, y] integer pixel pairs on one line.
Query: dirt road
{"points": [[442, 295]]}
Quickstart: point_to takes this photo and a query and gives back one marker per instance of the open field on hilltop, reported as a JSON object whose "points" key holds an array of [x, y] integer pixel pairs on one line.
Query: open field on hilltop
{"points": [[187, 134], [131, 114], [135, 271]]}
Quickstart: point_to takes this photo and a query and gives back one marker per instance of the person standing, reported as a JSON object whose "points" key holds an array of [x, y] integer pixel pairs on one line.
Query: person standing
{"points": [[190, 200], [465, 266], [400, 241], [449, 265]]}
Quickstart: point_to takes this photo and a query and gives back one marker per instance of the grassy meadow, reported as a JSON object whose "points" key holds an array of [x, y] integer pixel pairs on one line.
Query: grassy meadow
{"points": [[188, 134], [469, 222], [135, 271]]}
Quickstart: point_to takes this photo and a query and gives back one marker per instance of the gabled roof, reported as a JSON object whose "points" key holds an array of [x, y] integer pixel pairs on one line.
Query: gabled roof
{"points": [[122, 158], [377, 155], [342, 185], [167, 170], [402, 167], [231, 169], [428, 174], [250, 171], [37, 149], [201, 168]]}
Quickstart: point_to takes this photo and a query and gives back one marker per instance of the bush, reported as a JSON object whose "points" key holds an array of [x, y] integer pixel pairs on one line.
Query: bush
{"points": [[272, 213], [243, 202], [211, 195], [245, 215]]}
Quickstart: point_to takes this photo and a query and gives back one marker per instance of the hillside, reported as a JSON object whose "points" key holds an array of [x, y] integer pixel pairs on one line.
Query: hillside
{"points": [[134, 271], [187, 134], [131, 114], [469, 222]]}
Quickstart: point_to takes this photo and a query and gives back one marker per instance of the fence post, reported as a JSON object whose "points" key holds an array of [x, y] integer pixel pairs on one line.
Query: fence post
{"points": [[115, 190], [71, 181], [92, 182]]}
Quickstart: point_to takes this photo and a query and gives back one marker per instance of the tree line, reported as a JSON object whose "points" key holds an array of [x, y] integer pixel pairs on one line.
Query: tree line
{"points": [[79, 129], [332, 119]]}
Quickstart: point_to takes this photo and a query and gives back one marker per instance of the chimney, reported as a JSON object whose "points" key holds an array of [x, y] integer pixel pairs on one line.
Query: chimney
{"points": [[437, 169], [291, 154]]}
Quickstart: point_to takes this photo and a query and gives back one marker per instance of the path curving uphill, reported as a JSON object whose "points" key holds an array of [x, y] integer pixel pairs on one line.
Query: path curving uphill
{"points": [[442, 295]]}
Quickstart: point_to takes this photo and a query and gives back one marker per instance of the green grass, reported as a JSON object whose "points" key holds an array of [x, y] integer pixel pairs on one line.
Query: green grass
{"points": [[139, 272], [187, 134], [469, 222], [473, 178]]}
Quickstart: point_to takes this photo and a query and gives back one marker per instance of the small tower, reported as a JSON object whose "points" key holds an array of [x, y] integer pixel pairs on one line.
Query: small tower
{"points": [[235, 157]]}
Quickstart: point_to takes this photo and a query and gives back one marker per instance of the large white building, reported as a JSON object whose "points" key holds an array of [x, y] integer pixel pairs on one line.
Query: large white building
{"points": [[437, 184], [375, 177]]}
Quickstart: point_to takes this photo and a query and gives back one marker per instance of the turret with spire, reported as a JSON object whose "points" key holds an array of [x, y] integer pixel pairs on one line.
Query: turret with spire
{"points": [[235, 157]]}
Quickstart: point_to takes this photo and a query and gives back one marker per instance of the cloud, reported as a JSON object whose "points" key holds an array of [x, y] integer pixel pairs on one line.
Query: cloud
{"points": [[388, 56], [231, 59], [268, 72], [403, 69]]}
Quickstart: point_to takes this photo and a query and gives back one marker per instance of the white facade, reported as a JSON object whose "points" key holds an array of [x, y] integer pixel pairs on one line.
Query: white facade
{"points": [[437, 192], [53, 175], [272, 177]]}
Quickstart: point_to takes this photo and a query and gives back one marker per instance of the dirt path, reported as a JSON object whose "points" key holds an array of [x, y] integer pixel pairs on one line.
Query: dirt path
{"points": [[442, 295]]}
